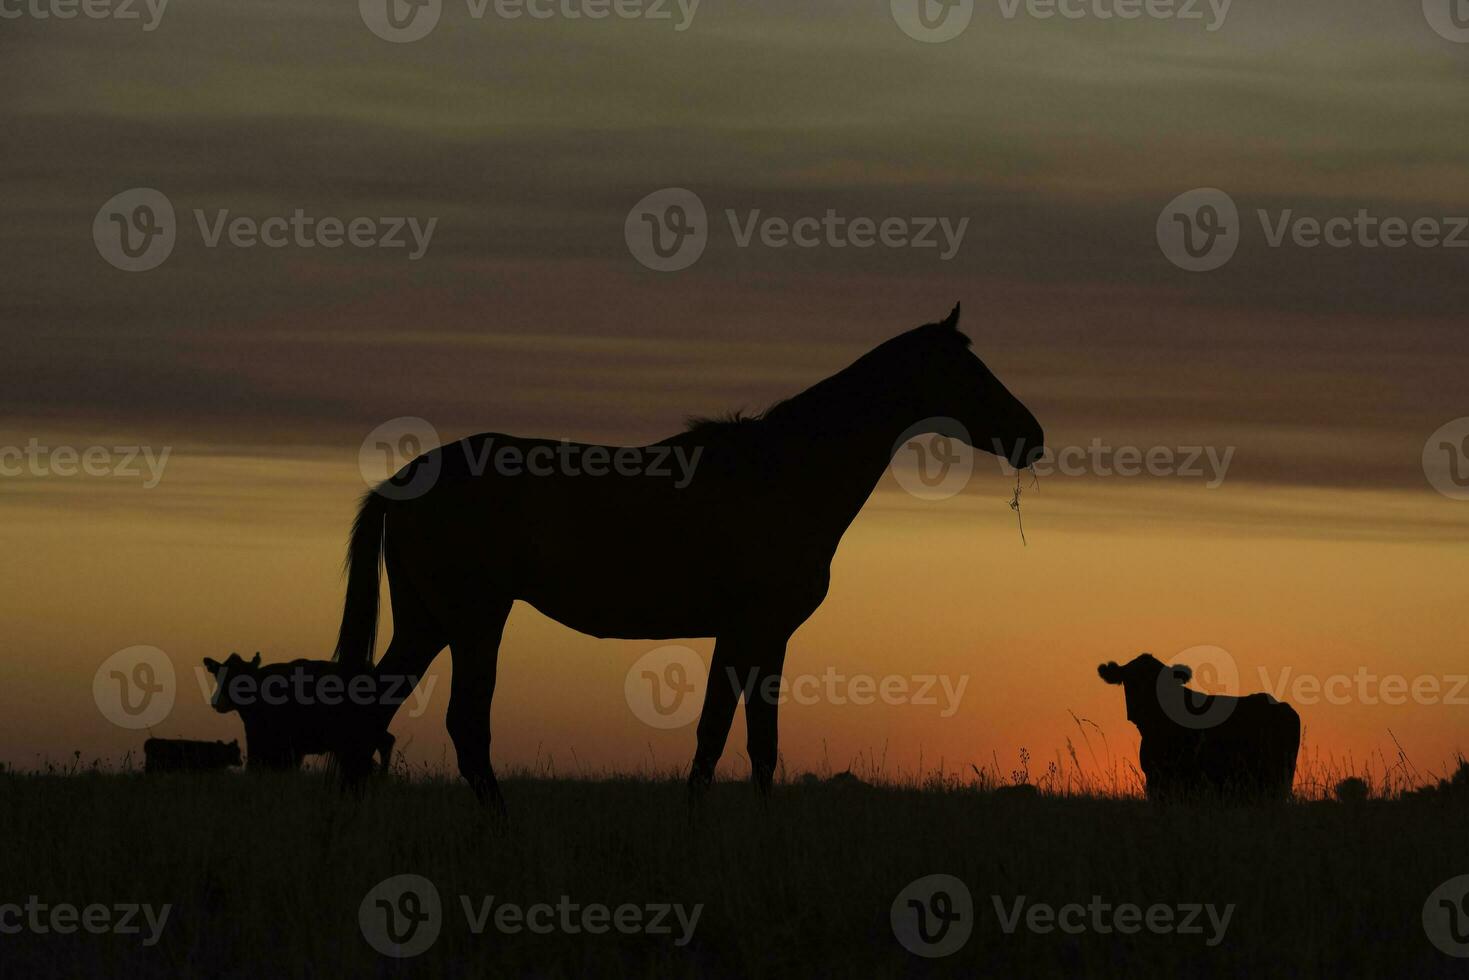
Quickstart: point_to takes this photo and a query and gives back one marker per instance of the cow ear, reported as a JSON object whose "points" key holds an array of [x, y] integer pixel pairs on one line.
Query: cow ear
{"points": [[256, 661], [1182, 673], [1110, 672], [212, 665]]}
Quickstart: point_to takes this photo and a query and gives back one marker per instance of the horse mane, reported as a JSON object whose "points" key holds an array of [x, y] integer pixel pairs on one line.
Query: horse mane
{"points": [[739, 419], [888, 352]]}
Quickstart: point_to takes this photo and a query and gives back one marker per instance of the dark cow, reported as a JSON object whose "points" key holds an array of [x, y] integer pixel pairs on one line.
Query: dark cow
{"points": [[294, 709], [188, 755], [1205, 745]]}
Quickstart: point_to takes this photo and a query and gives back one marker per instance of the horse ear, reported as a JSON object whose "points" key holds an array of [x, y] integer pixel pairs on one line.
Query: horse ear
{"points": [[256, 661], [952, 321]]}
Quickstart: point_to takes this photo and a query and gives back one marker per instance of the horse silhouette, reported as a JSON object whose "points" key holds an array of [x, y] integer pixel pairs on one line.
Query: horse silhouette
{"points": [[1197, 745], [739, 549], [295, 709]]}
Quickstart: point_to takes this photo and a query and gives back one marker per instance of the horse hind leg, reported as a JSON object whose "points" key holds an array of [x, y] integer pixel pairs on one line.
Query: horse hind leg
{"points": [[417, 639], [474, 645]]}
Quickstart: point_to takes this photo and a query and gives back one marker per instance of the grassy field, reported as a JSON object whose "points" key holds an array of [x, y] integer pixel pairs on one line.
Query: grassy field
{"points": [[266, 875]]}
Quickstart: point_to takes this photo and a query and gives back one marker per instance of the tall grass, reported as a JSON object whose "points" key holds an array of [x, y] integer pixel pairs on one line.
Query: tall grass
{"points": [[266, 873]]}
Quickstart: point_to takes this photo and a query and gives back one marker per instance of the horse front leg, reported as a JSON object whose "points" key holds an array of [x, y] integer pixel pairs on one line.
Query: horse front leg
{"points": [[741, 665], [721, 693], [762, 703]]}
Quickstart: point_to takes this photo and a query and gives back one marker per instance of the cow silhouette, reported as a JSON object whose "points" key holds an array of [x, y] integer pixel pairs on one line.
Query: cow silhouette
{"points": [[1197, 745], [188, 755], [738, 547], [293, 709]]}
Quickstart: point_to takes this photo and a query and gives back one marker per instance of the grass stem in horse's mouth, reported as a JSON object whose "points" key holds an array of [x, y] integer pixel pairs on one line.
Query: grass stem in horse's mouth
{"points": [[1015, 503]]}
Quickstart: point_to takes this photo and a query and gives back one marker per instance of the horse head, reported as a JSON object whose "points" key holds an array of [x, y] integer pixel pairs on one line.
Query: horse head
{"points": [[961, 398]]}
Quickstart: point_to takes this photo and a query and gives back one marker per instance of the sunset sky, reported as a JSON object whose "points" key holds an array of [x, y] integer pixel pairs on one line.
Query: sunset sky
{"points": [[1324, 551]]}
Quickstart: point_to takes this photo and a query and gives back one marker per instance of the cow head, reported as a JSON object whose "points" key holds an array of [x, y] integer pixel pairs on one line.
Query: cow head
{"points": [[233, 666], [1145, 681]]}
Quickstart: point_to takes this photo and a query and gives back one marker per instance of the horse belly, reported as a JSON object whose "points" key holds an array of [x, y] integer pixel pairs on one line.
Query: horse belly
{"points": [[629, 606]]}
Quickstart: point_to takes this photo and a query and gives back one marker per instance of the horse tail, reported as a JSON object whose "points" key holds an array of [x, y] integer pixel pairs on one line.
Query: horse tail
{"points": [[357, 637]]}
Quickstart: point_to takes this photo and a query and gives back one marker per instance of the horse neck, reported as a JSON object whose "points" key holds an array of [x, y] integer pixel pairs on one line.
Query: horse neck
{"points": [[840, 435]]}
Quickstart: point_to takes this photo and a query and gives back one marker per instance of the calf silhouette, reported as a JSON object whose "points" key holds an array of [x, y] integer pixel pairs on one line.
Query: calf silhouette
{"points": [[294, 709], [188, 755], [1196, 744]]}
